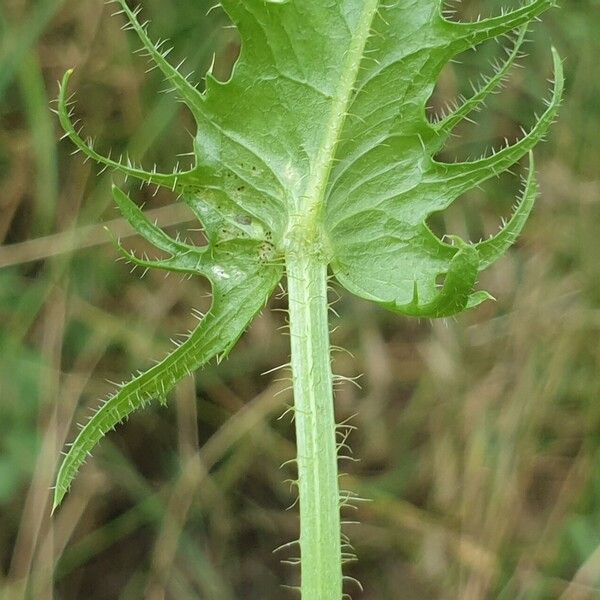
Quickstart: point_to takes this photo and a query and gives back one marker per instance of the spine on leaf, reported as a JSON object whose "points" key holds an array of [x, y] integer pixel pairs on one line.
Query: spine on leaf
{"points": [[215, 336], [324, 156], [169, 180]]}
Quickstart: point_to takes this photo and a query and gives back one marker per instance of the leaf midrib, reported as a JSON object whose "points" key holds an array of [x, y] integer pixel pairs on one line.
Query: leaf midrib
{"points": [[310, 205]]}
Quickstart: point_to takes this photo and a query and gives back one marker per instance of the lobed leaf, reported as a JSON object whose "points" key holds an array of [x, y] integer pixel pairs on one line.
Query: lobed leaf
{"points": [[320, 143], [241, 288]]}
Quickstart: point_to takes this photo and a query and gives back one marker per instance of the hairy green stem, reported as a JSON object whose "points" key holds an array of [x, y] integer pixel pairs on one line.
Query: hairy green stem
{"points": [[320, 545]]}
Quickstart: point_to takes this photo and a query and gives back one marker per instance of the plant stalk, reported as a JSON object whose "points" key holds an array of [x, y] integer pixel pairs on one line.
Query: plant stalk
{"points": [[320, 535]]}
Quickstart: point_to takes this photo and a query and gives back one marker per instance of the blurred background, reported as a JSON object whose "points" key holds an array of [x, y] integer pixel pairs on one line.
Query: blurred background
{"points": [[478, 437]]}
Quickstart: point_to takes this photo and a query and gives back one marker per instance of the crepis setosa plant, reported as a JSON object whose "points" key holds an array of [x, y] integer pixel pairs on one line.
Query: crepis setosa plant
{"points": [[317, 155]]}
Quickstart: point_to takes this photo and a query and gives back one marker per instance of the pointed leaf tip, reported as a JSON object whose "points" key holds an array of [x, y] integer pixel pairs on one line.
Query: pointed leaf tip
{"points": [[478, 298], [170, 180], [188, 92], [470, 34], [230, 314], [445, 125], [492, 249], [460, 177]]}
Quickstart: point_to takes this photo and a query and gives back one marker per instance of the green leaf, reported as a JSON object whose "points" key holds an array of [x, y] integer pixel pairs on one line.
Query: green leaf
{"points": [[319, 145], [386, 182], [241, 287]]}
